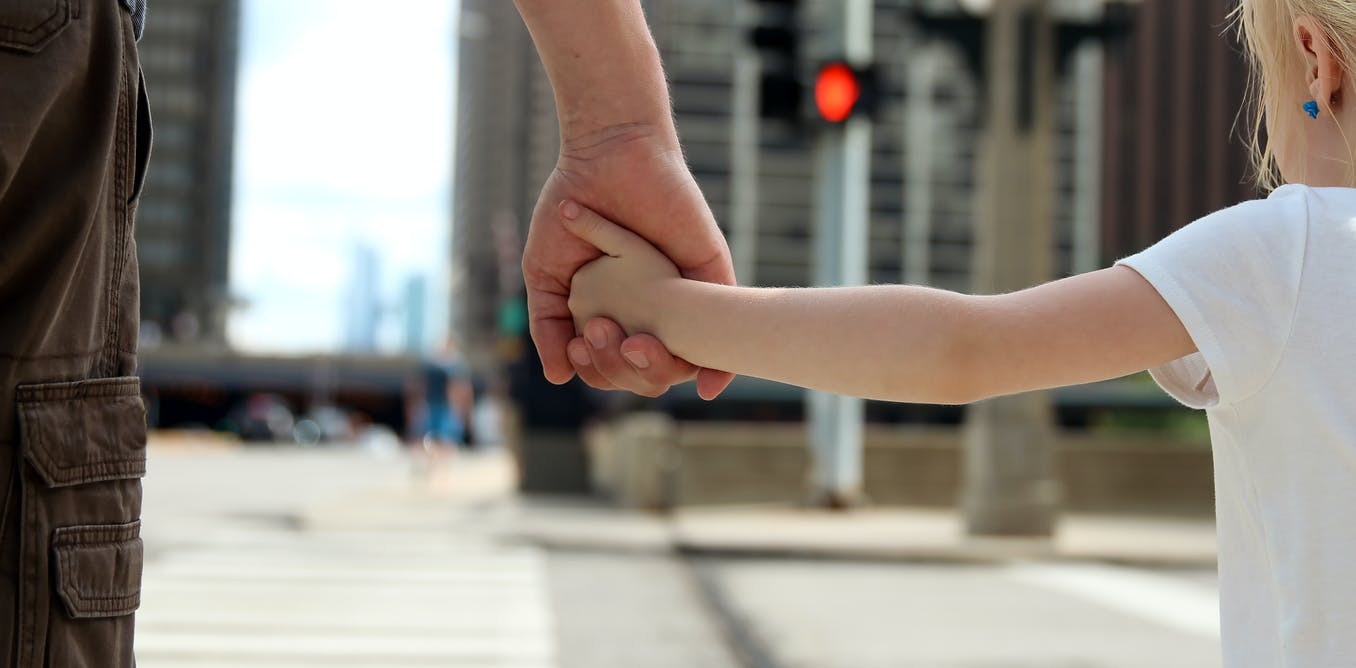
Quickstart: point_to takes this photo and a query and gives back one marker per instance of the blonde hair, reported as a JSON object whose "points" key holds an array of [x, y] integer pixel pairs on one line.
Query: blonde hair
{"points": [[1266, 28]]}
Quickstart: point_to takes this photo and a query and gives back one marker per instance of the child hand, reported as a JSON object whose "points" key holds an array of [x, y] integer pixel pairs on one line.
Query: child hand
{"points": [[624, 284]]}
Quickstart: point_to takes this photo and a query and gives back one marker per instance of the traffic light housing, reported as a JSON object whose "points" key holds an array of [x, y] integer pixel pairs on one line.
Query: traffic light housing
{"points": [[776, 35], [843, 91]]}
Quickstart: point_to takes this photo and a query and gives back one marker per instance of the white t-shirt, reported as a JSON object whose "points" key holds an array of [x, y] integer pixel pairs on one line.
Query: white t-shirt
{"points": [[1267, 290]]}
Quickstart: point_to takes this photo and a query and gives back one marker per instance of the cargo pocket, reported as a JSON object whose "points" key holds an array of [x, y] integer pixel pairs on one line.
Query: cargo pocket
{"points": [[84, 449], [28, 25]]}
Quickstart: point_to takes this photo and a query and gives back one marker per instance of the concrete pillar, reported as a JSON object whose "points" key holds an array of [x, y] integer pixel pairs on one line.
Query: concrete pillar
{"points": [[1010, 486], [645, 460]]}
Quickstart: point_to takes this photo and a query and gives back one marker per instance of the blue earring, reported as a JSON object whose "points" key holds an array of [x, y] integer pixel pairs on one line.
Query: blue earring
{"points": [[1311, 108]]}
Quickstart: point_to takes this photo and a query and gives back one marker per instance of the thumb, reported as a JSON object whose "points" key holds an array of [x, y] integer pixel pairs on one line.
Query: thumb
{"points": [[602, 233]]}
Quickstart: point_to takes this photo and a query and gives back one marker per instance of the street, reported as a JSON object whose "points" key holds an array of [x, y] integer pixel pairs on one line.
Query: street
{"points": [[345, 557]]}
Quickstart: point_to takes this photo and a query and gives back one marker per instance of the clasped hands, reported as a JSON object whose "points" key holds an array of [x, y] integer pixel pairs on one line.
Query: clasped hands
{"points": [[638, 178], [625, 287], [626, 284]]}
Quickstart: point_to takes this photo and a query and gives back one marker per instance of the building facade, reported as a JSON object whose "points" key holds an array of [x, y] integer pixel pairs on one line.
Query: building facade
{"points": [[188, 53], [1175, 139], [1114, 128], [506, 144]]}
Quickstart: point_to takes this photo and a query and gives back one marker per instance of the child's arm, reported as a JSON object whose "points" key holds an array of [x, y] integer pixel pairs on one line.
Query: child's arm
{"points": [[897, 343]]}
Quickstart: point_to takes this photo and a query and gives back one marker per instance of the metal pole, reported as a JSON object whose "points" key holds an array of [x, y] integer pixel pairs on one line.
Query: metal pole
{"points": [[1010, 486], [1087, 232], [919, 133], [744, 143], [842, 217]]}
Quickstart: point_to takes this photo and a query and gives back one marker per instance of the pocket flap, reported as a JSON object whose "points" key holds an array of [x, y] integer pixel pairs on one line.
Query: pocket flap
{"points": [[99, 569], [28, 25], [83, 432]]}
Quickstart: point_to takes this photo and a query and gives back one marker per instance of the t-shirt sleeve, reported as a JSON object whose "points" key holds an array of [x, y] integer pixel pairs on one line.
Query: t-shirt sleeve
{"points": [[1233, 279]]}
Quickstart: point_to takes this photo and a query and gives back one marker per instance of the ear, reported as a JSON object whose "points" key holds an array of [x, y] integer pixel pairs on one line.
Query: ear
{"points": [[1323, 70]]}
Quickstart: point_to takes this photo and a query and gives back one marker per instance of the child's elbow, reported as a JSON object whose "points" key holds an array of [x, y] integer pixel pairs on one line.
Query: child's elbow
{"points": [[954, 379], [944, 393], [963, 370], [955, 361], [958, 391]]}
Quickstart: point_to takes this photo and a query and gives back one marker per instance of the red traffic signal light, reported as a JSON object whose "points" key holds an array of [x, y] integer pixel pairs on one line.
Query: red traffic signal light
{"points": [[837, 92]]}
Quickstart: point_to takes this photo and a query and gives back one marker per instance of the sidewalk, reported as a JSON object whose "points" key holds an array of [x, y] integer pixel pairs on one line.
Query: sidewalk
{"points": [[479, 489], [893, 534]]}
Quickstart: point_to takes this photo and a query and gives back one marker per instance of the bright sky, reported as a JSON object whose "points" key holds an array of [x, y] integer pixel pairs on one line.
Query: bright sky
{"points": [[343, 138]]}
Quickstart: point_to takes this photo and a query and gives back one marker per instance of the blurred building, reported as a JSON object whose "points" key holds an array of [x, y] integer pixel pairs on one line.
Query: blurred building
{"points": [[506, 144], [701, 42], [1174, 152], [1124, 113], [188, 53], [924, 142], [922, 166]]}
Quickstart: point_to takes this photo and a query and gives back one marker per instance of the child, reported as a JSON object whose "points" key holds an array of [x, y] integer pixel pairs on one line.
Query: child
{"points": [[1245, 313]]}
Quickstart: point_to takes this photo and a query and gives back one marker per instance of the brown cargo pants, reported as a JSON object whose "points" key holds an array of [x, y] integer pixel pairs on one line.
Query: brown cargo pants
{"points": [[74, 138]]}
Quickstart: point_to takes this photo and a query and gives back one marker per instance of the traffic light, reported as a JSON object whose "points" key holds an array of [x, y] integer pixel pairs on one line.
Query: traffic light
{"points": [[776, 35], [842, 91]]}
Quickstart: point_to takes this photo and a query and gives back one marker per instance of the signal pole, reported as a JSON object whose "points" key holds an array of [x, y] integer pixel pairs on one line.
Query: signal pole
{"points": [[1010, 483], [842, 213]]}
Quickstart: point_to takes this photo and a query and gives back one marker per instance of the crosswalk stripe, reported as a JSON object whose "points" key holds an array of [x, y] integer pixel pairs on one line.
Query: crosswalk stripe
{"points": [[350, 646], [1160, 599], [273, 597], [297, 574]]}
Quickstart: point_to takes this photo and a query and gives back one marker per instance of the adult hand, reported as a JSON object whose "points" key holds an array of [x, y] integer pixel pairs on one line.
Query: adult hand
{"points": [[634, 174]]}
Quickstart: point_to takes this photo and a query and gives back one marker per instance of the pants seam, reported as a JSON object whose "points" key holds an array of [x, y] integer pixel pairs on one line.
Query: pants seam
{"points": [[28, 611], [117, 246]]}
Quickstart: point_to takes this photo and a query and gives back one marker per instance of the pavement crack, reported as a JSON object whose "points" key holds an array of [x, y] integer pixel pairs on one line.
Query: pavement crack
{"points": [[748, 647]]}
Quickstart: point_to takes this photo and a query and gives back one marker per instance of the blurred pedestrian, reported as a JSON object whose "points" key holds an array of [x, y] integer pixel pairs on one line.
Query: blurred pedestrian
{"points": [[440, 400], [74, 141], [1243, 313]]}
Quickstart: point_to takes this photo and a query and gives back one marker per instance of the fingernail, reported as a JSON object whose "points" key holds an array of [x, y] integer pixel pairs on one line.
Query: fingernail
{"points": [[579, 356], [597, 337], [570, 210], [638, 359]]}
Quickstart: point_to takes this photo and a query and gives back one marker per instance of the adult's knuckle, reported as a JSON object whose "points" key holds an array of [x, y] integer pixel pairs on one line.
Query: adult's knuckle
{"points": [[595, 380], [616, 371], [653, 392]]}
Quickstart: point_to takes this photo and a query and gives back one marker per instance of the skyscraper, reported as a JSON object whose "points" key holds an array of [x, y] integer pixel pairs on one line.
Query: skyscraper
{"points": [[362, 301], [188, 53]]}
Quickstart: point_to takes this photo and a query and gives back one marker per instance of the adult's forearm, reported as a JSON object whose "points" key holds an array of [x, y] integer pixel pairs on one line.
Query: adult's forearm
{"points": [[603, 65], [896, 343]]}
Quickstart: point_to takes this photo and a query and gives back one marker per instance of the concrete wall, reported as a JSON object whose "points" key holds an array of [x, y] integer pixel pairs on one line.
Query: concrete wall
{"points": [[650, 461]]}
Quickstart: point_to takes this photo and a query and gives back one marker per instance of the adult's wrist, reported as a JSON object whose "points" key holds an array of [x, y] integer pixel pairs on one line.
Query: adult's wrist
{"points": [[601, 98], [638, 145], [604, 66]]}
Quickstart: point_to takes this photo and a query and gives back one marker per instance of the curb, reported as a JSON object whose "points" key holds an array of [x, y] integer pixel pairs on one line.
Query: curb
{"points": [[983, 556]]}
